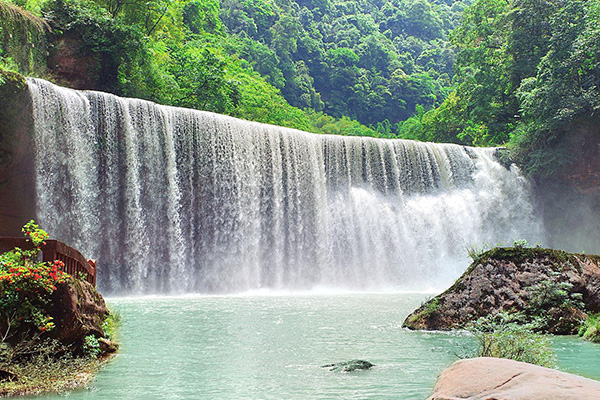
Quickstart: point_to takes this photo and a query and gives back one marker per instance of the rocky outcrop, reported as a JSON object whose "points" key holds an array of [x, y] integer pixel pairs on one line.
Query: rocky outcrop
{"points": [[79, 311], [23, 39], [511, 280], [500, 379]]}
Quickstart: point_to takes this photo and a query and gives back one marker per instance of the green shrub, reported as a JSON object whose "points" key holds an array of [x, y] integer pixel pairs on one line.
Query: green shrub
{"points": [[91, 347], [503, 336], [475, 252], [590, 329], [520, 243], [111, 324], [27, 286]]}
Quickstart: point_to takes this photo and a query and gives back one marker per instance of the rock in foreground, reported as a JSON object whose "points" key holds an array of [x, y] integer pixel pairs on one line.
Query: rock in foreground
{"points": [[501, 379], [530, 281]]}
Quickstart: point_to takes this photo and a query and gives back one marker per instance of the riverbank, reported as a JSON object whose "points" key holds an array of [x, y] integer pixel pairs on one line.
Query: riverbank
{"points": [[46, 365], [272, 346], [49, 375], [55, 328]]}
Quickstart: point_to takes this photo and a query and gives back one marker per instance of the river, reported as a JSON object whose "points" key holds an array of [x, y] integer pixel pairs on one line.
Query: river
{"points": [[272, 346]]}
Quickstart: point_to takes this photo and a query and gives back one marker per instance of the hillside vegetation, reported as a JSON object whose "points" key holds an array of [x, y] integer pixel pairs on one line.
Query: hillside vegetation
{"points": [[475, 72], [319, 66], [526, 71]]}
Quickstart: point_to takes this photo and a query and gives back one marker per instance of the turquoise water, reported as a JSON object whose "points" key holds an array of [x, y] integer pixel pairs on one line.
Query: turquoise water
{"points": [[272, 347]]}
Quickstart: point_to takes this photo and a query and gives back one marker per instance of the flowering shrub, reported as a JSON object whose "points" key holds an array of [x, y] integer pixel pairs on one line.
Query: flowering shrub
{"points": [[27, 285]]}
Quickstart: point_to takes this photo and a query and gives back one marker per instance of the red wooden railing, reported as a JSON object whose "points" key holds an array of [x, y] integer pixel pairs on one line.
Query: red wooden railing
{"points": [[75, 263]]}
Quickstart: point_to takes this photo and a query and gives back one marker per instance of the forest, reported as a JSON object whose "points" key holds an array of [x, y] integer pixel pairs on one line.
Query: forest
{"points": [[485, 72]]}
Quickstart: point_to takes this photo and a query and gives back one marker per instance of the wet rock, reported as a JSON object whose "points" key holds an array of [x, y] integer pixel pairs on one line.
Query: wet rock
{"points": [[349, 366], [17, 155], [107, 346], [494, 378]]}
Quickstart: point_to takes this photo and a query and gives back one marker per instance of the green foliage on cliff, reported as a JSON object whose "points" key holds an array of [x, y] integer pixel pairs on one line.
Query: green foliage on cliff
{"points": [[590, 329], [23, 43], [476, 72]]}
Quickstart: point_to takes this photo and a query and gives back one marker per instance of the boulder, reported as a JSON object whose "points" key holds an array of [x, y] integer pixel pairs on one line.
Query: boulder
{"points": [[349, 366], [501, 280], [78, 310], [501, 379]]}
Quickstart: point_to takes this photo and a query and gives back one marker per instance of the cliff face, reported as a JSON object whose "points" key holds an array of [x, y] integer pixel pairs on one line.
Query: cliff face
{"points": [[570, 201], [23, 38], [71, 64], [583, 141], [17, 159], [79, 311], [517, 280]]}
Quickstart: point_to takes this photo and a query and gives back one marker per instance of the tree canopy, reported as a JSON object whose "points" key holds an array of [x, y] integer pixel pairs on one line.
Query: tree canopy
{"points": [[476, 72]]}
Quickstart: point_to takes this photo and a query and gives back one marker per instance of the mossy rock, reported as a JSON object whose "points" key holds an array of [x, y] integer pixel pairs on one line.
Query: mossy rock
{"points": [[349, 366], [12, 84]]}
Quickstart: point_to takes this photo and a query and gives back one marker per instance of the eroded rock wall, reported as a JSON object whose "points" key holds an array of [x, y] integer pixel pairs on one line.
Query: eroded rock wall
{"points": [[570, 201], [17, 159]]}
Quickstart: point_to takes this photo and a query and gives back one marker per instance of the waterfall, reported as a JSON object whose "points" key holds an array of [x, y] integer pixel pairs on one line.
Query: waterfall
{"points": [[174, 200]]}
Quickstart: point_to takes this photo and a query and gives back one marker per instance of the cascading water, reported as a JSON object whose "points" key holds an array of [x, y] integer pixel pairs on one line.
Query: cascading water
{"points": [[177, 200]]}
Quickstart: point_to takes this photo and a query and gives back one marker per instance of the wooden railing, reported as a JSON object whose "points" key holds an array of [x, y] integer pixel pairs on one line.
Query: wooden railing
{"points": [[75, 263]]}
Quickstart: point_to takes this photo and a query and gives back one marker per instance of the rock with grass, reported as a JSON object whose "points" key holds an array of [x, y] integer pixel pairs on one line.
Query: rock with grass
{"points": [[549, 288]]}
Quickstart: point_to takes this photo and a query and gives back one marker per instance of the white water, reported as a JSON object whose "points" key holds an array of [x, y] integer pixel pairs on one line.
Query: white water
{"points": [[176, 200]]}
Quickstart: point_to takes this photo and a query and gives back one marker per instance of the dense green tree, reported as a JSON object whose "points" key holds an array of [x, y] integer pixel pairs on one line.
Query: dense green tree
{"points": [[341, 55], [565, 89], [526, 70]]}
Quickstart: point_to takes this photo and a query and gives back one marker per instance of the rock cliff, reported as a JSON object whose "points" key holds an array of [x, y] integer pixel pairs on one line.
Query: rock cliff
{"points": [[79, 311], [17, 159]]}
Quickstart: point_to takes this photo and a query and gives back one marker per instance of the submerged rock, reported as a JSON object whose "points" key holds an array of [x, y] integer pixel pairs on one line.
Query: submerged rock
{"points": [[349, 366], [517, 280], [496, 378]]}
